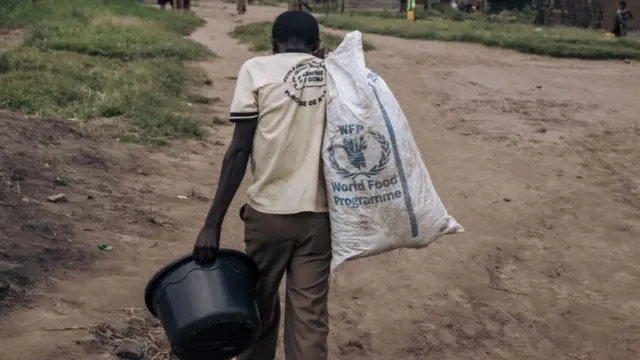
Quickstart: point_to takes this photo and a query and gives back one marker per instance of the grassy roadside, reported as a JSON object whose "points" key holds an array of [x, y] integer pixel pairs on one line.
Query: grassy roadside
{"points": [[553, 41], [258, 36], [439, 13], [262, 2], [89, 59]]}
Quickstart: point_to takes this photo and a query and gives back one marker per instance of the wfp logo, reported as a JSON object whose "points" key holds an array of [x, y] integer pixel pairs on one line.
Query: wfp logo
{"points": [[352, 142]]}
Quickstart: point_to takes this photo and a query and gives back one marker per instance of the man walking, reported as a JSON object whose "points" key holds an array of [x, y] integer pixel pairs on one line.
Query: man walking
{"points": [[279, 114]]}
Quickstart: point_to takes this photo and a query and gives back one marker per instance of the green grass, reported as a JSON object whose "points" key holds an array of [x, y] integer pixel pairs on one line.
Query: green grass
{"points": [[441, 13], [88, 59], [115, 41], [258, 36], [25, 13], [553, 41]]}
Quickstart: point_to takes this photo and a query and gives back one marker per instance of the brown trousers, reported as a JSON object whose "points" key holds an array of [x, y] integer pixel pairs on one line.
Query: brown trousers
{"points": [[300, 246]]}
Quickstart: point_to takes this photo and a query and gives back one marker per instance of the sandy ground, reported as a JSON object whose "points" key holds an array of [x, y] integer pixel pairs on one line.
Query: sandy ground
{"points": [[537, 157]]}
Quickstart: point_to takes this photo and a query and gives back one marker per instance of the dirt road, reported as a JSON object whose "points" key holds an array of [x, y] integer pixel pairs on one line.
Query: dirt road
{"points": [[537, 157]]}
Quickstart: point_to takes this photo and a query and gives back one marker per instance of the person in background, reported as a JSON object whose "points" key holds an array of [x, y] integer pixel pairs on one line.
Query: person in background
{"points": [[299, 5], [175, 4], [241, 6], [163, 4], [279, 111], [620, 22]]}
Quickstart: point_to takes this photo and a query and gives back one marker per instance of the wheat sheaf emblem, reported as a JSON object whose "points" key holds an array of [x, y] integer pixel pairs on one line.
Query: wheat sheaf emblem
{"points": [[355, 148]]}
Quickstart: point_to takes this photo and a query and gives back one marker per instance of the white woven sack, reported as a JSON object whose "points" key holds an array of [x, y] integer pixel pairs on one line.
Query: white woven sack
{"points": [[380, 194]]}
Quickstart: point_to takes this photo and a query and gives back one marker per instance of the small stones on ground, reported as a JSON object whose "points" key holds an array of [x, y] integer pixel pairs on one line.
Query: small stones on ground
{"points": [[469, 330], [154, 322], [158, 221], [506, 199], [105, 247], [541, 130], [218, 143], [18, 175], [87, 339], [547, 225], [357, 344], [4, 286], [58, 198], [59, 182], [555, 271], [196, 195], [130, 351], [219, 121]]}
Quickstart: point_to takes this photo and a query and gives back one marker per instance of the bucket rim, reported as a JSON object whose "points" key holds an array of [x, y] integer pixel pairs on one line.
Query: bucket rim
{"points": [[159, 275]]}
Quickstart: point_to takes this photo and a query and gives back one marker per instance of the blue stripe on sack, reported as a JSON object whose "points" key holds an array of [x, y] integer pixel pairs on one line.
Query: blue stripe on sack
{"points": [[396, 155]]}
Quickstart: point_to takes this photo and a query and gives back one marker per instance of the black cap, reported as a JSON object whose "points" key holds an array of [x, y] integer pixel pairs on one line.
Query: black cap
{"points": [[296, 26]]}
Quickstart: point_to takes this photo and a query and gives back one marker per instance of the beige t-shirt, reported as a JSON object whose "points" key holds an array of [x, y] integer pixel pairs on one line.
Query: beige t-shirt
{"points": [[286, 93]]}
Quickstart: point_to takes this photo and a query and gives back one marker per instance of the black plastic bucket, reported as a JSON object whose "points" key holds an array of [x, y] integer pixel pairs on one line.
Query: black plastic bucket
{"points": [[209, 311]]}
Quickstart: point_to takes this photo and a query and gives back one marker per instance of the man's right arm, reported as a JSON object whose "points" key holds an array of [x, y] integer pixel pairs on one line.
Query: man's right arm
{"points": [[234, 166], [244, 113]]}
